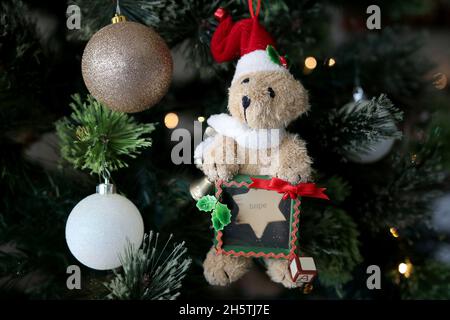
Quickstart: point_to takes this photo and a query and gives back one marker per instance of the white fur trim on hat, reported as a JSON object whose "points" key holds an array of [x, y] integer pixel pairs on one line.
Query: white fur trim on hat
{"points": [[254, 61]]}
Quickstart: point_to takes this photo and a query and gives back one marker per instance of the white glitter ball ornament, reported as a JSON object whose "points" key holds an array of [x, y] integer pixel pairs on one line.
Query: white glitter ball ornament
{"points": [[101, 226]]}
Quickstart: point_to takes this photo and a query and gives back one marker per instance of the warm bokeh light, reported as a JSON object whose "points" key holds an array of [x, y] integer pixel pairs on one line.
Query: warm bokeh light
{"points": [[402, 268], [308, 288], [440, 81], [310, 63], [171, 120], [405, 268], [201, 119], [331, 62], [394, 232]]}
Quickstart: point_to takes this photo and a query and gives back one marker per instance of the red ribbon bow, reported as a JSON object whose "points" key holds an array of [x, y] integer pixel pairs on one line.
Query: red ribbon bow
{"points": [[281, 186]]}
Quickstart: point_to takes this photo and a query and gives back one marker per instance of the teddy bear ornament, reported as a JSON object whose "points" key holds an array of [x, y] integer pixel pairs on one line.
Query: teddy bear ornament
{"points": [[260, 171]]}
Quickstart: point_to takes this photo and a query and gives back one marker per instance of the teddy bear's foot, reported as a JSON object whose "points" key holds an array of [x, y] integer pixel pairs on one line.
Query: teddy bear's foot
{"points": [[278, 271], [221, 270]]}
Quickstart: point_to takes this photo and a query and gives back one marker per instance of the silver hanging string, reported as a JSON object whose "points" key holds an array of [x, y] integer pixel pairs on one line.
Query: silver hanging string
{"points": [[105, 173], [118, 7], [106, 187]]}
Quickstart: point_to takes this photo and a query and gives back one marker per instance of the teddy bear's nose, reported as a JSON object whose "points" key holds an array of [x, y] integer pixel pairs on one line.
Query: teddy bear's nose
{"points": [[245, 102]]}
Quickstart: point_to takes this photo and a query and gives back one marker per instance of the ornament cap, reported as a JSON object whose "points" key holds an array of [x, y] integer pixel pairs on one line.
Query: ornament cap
{"points": [[106, 188], [118, 18]]}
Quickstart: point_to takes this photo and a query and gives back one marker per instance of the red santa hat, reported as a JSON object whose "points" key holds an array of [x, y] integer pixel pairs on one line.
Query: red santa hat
{"points": [[248, 41]]}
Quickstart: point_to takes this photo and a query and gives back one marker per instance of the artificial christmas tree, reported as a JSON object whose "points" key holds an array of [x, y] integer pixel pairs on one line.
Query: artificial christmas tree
{"points": [[328, 46]]}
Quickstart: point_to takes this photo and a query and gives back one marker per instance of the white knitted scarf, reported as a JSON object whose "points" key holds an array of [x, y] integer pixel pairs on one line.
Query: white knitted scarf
{"points": [[244, 136]]}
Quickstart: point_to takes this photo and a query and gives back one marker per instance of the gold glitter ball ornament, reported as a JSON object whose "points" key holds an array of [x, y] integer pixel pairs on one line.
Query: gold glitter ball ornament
{"points": [[127, 66]]}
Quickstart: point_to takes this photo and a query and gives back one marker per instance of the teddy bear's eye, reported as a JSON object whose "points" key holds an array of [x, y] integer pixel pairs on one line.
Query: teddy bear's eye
{"points": [[246, 80], [271, 92]]}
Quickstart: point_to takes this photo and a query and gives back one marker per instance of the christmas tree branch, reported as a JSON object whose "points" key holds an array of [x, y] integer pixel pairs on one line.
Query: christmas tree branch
{"points": [[388, 61], [429, 280], [403, 197], [99, 139], [150, 273], [331, 237], [360, 126]]}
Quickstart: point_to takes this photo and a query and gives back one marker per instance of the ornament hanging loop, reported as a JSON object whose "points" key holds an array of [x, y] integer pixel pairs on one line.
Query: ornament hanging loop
{"points": [[250, 8], [106, 175], [106, 187]]}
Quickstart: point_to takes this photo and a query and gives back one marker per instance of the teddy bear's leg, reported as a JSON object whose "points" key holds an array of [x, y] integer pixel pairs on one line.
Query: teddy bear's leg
{"points": [[221, 270], [278, 271]]}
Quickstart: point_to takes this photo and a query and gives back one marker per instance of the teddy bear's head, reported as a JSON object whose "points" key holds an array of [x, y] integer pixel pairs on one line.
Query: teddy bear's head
{"points": [[267, 99]]}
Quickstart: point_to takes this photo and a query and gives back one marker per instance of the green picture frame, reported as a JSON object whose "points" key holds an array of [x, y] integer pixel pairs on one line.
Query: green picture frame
{"points": [[242, 182]]}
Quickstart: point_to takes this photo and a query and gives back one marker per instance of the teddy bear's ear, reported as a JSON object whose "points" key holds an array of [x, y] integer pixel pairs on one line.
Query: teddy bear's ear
{"points": [[294, 100], [305, 99], [301, 100]]}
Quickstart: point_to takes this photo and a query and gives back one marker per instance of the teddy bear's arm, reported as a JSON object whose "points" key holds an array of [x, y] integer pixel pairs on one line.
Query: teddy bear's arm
{"points": [[294, 163], [220, 159]]}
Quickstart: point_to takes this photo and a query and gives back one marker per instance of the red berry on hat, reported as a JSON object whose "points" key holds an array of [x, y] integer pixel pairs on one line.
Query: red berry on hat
{"points": [[220, 14]]}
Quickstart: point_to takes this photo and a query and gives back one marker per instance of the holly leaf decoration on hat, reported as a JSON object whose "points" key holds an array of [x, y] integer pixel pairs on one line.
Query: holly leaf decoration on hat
{"points": [[275, 57]]}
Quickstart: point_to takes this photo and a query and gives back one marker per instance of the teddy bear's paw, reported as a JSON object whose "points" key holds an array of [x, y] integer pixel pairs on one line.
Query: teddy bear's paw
{"points": [[210, 170], [226, 171], [221, 270], [294, 173], [278, 271], [216, 171], [290, 177]]}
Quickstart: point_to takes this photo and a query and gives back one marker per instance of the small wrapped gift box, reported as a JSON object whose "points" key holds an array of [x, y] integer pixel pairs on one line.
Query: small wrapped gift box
{"points": [[302, 269]]}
